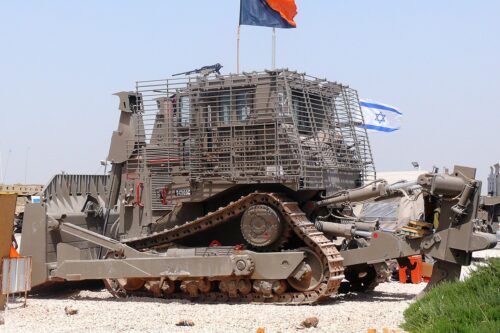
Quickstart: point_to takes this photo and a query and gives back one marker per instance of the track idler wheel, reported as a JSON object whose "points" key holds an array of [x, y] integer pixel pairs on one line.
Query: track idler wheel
{"points": [[244, 287], [167, 286], [310, 272], [269, 287], [194, 287], [233, 288], [120, 288], [161, 287]]}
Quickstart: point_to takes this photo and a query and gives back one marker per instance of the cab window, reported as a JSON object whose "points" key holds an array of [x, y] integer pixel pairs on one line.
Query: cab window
{"points": [[244, 101], [185, 111], [225, 108]]}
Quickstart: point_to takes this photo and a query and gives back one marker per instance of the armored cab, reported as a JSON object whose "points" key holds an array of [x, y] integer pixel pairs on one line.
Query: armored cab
{"points": [[196, 143]]}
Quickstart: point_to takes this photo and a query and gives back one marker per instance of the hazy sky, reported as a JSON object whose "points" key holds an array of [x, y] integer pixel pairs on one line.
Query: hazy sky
{"points": [[60, 62]]}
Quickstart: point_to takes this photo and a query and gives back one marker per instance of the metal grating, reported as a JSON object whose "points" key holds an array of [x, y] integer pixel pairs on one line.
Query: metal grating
{"points": [[75, 185], [277, 126]]}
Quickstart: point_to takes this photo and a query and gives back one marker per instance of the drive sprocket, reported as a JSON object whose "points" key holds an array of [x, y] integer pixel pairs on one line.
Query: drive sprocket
{"points": [[263, 228]]}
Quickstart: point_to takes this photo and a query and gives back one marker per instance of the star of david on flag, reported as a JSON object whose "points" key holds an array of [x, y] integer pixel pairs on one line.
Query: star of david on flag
{"points": [[380, 117]]}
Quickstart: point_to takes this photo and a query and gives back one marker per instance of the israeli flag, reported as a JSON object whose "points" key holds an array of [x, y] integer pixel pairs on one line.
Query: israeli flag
{"points": [[380, 117]]}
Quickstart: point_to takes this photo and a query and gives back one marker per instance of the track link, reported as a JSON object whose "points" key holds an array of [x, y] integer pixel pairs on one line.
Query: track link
{"points": [[297, 221]]}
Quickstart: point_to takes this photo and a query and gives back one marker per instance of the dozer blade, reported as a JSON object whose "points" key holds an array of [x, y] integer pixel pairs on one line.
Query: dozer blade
{"points": [[442, 271]]}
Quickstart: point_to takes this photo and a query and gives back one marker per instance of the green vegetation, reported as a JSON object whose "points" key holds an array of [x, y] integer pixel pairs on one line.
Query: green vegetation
{"points": [[469, 306]]}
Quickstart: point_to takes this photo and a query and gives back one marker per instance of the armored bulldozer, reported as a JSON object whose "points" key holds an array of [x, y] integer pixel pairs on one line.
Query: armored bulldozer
{"points": [[239, 188]]}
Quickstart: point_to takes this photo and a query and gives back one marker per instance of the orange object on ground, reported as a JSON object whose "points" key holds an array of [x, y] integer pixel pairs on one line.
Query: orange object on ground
{"points": [[415, 270], [13, 253], [426, 271]]}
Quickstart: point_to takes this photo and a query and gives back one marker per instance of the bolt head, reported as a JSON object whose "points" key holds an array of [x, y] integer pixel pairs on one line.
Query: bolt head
{"points": [[241, 265]]}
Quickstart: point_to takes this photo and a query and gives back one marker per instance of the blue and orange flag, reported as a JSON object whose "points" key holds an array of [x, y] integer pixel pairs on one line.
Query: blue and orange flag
{"points": [[268, 13]]}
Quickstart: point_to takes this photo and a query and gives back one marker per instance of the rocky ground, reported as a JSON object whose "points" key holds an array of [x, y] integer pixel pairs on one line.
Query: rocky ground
{"points": [[97, 311]]}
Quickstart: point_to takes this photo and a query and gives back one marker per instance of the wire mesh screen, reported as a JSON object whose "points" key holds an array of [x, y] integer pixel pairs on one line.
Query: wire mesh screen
{"points": [[271, 127]]}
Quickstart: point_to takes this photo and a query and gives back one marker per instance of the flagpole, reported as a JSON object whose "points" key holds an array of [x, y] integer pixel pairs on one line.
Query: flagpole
{"points": [[274, 50], [238, 50]]}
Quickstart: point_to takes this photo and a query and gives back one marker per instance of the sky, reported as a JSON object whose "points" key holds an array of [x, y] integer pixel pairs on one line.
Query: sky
{"points": [[61, 61]]}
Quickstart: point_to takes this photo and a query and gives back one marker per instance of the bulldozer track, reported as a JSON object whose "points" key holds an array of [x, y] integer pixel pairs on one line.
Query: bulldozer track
{"points": [[298, 222]]}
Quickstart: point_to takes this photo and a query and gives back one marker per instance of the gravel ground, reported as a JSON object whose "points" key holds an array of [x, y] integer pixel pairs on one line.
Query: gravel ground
{"points": [[99, 312]]}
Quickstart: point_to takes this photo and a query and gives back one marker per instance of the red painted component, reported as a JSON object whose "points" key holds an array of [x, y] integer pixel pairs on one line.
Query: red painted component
{"points": [[139, 187], [238, 247], [164, 194], [215, 242], [375, 235]]}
